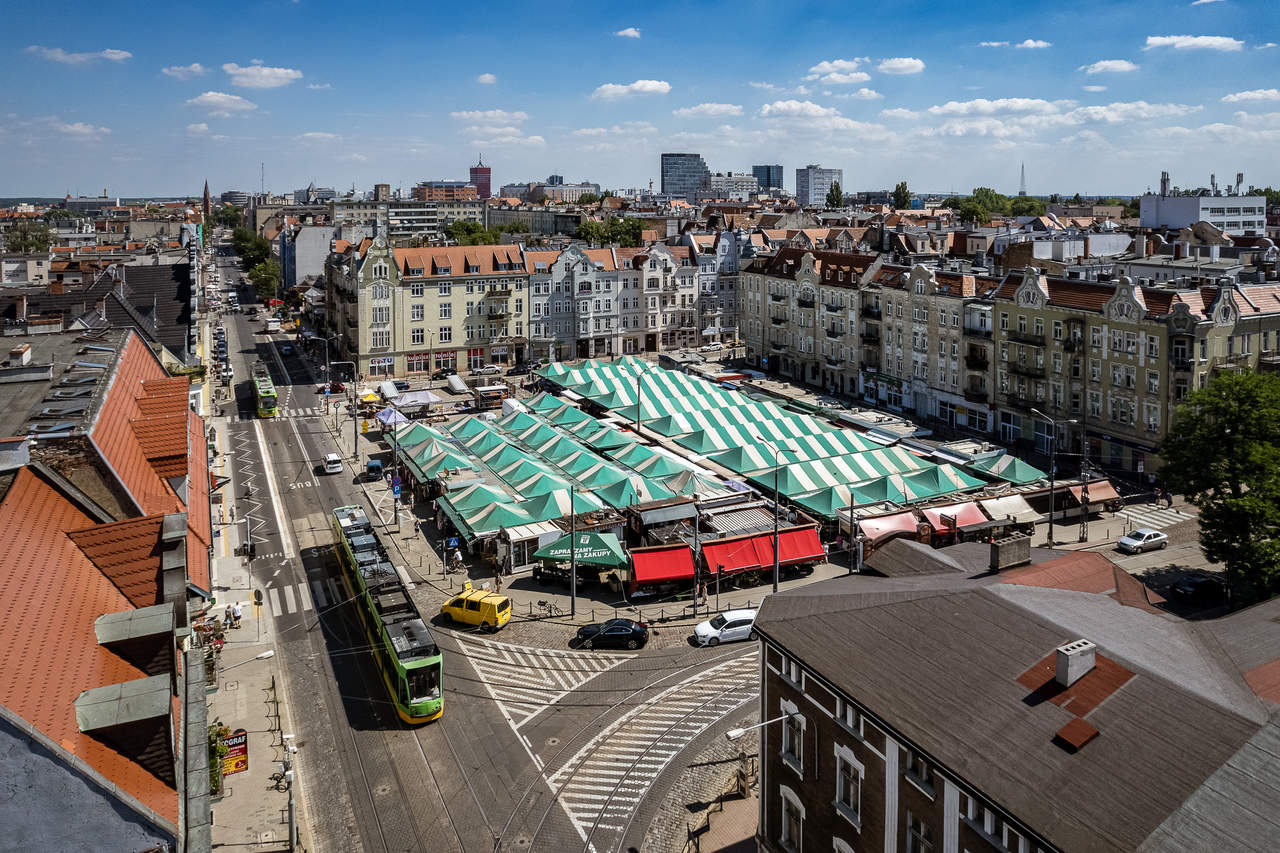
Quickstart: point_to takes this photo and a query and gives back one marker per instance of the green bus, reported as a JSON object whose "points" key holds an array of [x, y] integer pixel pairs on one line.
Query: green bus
{"points": [[265, 390], [407, 655]]}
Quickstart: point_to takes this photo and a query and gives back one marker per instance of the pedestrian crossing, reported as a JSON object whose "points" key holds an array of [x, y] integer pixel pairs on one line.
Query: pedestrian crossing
{"points": [[524, 680], [301, 412], [318, 594], [603, 784], [1157, 518]]}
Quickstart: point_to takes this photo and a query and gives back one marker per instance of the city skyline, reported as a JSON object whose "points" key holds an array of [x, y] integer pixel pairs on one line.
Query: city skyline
{"points": [[1097, 99]]}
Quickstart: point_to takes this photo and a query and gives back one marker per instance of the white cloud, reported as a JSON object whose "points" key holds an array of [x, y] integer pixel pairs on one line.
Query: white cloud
{"points": [[490, 116], [221, 104], [768, 87], [80, 128], [843, 78], [1123, 111], [993, 44], [255, 75], [1034, 44], [708, 110], [487, 78], [838, 72], [794, 109], [1252, 95], [862, 94], [198, 128], [629, 33], [899, 113], [614, 91], [57, 54], [1265, 46], [1194, 43], [984, 106], [627, 128], [319, 86], [509, 140], [1204, 2], [354, 158], [498, 130], [901, 65], [1256, 118], [977, 126], [827, 66], [317, 136], [806, 115], [1095, 88], [1108, 66], [184, 72]]}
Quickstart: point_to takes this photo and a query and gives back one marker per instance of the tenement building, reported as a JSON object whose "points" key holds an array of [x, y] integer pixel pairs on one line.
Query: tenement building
{"points": [[948, 708]]}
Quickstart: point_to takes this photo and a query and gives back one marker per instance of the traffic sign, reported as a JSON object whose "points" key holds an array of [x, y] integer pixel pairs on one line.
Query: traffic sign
{"points": [[395, 481], [395, 490], [764, 361], [451, 542]]}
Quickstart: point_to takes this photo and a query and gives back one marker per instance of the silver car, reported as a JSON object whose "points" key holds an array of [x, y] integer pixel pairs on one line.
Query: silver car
{"points": [[1142, 539]]}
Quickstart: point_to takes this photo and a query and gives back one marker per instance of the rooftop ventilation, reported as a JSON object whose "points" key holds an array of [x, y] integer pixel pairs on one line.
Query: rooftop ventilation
{"points": [[61, 426], [1074, 661], [79, 380], [1008, 552], [69, 393], [88, 365]]}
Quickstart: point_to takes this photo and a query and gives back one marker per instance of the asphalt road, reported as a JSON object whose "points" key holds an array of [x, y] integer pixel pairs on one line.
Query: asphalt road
{"points": [[540, 747]]}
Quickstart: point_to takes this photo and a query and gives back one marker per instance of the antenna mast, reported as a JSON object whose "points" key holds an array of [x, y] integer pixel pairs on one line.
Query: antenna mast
{"points": [[1022, 185], [262, 178]]}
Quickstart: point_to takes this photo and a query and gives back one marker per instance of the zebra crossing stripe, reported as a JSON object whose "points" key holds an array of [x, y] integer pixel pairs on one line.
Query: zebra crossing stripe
{"points": [[273, 596]]}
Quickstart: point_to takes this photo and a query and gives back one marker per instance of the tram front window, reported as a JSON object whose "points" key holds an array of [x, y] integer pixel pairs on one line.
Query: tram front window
{"points": [[424, 684]]}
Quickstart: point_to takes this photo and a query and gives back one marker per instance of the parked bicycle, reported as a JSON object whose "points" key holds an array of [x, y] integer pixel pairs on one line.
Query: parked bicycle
{"points": [[280, 780], [549, 608]]}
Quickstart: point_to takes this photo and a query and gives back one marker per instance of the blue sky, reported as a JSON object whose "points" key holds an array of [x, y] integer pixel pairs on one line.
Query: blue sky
{"points": [[1093, 96]]}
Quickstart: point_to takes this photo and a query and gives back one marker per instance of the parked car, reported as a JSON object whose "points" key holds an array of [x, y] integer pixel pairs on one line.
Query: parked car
{"points": [[1142, 539], [727, 627], [402, 385], [332, 463], [444, 373], [1198, 589], [616, 634], [520, 370], [334, 387], [714, 346], [487, 370]]}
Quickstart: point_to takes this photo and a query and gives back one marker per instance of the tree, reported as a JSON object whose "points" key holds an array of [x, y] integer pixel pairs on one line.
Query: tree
{"points": [[973, 213], [228, 216], [591, 231], [1054, 198], [1223, 453], [266, 279], [901, 196], [1025, 205], [624, 230], [55, 214], [588, 198], [835, 196], [1076, 199], [990, 200], [26, 237], [464, 232]]}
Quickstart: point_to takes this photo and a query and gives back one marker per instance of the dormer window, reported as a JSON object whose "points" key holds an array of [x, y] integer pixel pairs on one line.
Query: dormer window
{"points": [[473, 268]]}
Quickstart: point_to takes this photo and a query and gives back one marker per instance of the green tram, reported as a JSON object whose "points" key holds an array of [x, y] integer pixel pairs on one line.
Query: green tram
{"points": [[407, 654], [265, 391]]}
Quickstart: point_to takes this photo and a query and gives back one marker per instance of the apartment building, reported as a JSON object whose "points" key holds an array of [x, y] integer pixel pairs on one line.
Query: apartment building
{"points": [[444, 191], [814, 182], [720, 258], [949, 707], [683, 174], [660, 305], [575, 302], [1235, 215], [407, 221], [768, 176], [399, 312]]}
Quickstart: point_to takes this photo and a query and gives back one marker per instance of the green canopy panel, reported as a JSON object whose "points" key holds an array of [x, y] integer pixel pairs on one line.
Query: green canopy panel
{"points": [[474, 497], [555, 504], [658, 465], [632, 455], [544, 402], [540, 484], [496, 516], [632, 490], [436, 465], [469, 427], [608, 438], [1008, 468], [601, 475], [595, 549]]}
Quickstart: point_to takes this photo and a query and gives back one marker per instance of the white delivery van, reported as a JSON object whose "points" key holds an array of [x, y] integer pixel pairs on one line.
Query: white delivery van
{"points": [[273, 325]]}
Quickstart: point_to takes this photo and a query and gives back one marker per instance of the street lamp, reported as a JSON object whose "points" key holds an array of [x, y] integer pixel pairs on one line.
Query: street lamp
{"points": [[1053, 462], [355, 437], [269, 653], [734, 734], [777, 452]]}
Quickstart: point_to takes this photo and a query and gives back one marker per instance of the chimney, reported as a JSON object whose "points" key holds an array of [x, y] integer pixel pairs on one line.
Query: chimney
{"points": [[1075, 660], [1086, 247], [55, 288], [1177, 250], [1010, 551]]}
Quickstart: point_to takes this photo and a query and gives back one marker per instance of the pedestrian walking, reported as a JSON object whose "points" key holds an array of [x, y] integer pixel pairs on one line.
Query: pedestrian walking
{"points": [[1168, 498], [236, 613], [497, 581], [702, 594], [227, 618]]}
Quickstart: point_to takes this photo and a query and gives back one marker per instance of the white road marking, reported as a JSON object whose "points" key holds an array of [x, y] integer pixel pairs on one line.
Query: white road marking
{"points": [[288, 598], [286, 535], [274, 597]]}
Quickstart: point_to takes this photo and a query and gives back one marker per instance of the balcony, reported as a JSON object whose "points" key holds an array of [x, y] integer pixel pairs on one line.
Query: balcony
{"points": [[833, 333], [1026, 338], [833, 309], [870, 313], [671, 286], [804, 302], [870, 337], [777, 321], [498, 293], [1073, 344], [974, 332], [834, 363], [776, 297], [497, 315], [1023, 368], [1181, 363], [974, 361], [976, 395]]}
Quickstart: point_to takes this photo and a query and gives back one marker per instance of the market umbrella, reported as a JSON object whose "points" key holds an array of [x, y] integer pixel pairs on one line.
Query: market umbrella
{"points": [[596, 549], [391, 417]]}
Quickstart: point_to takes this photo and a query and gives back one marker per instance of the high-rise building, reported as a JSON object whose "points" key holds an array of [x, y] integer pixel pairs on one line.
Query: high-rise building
{"points": [[683, 174], [482, 177], [813, 182], [446, 190], [382, 192], [735, 186], [769, 177]]}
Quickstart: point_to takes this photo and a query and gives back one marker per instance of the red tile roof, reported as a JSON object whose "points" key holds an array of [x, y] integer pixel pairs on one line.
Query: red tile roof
{"points": [[49, 652], [128, 553], [199, 524], [456, 259]]}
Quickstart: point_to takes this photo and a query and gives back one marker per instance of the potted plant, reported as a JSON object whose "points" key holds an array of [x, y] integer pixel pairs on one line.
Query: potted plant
{"points": [[217, 751]]}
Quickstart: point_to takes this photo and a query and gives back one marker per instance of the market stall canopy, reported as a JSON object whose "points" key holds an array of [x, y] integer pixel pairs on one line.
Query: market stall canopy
{"points": [[596, 549], [1100, 491], [884, 526], [391, 417], [1013, 507], [417, 399], [1009, 468], [662, 564], [755, 550], [555, 504], [632, 490], [959, 516]]}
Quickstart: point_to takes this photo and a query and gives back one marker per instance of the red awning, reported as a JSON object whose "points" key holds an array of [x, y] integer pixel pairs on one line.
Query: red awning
{"points": [[657, 565], [794, 546], [884, 526], [965, 514], [1100, 491], [733, 555]]}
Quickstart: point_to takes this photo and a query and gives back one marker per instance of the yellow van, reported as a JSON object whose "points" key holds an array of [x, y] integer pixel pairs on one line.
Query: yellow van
{"points": [[485, 608]]}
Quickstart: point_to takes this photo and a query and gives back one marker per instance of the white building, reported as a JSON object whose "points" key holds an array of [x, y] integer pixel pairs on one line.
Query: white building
{"points": [[814, 182], [730, 186], [1237, 215]]}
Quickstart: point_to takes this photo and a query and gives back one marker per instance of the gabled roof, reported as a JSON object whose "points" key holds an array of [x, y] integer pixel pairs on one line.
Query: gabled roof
{"points": [[128, 554]]}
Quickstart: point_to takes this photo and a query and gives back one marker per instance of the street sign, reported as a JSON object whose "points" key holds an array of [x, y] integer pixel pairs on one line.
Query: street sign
{"points": [[451, 542], [395, 491], [764, 361], [395, 481], [237, 758]]}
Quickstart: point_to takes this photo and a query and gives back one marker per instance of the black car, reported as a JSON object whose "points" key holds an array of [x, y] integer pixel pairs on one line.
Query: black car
{"points": [[444, 373], [520, 370], [1199, 590], [615, 634], [401, 385]]}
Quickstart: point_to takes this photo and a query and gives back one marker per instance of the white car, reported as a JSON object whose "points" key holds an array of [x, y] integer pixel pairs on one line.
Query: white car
{"points": [[1142, 539], [712, 347], [486, 370], [332, 463], [725, 627]]}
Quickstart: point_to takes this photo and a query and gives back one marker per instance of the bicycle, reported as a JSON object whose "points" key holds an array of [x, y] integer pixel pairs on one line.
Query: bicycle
{"points": [[280, 779], [549, 608]]}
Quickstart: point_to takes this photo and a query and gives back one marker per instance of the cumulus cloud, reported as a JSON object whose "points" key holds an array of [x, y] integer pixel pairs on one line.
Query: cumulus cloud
{"points": [[184, 72], [1204, 2], [806, 115], [844, 78], [827, 66], [708, 110], [632, 128], [899, 113], [255, 75], [491, 116], [900, 65], [354, 158], [615, 91], [319, 86], [57, 54], [977, 126], [793, 108], [629, 33], [993, 44], [221, 104], [1252, 95], [317, 136], [862, 94], [1033, 44], [1264, 46], [1194, 43], [500, 140], [768, 87], [487, 78], [838, 72], [985, 106], [80, 128], [1095, 88], [1109, 66], [198, 128]]}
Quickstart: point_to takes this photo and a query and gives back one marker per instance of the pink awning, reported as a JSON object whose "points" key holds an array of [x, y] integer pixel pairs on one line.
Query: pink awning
{"points": [[965, 514], [884, 526]]}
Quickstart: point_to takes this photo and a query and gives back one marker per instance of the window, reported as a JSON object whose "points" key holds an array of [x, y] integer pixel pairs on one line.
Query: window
{"points": [[417, 335], [445, 288], [417, 289], [1038, 326], [446, 310], [919, 771], [848, 715], [790, 832], [446, 334], [1153, 382], [1095, 336], [1004, 322], [417, 313], [1153, 346], [919, 835], [793, 738], [1057, 330]]}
